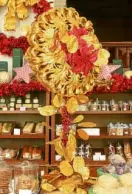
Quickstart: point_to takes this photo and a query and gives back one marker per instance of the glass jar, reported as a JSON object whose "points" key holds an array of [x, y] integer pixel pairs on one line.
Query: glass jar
{"points": [[114, 106], [94, 107], [125, 130], [6, 173], [130, 105], [130, 129], [111, 129], [125, 106], [119, 129], [104, 106], [26, 178]]}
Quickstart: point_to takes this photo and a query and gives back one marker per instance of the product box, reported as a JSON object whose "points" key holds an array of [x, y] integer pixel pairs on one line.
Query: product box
{"points": [[92, 131]]}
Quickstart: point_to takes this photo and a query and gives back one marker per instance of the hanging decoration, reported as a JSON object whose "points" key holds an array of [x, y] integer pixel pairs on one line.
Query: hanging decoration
{"points": [[107, 70], [64, 52], [19, 8], [117, 84], [20, 89], [23, 73], [7, 44]]}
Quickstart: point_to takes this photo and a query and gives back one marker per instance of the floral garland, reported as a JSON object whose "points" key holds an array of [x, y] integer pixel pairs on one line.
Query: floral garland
{"points": [[119, 83], [8, 43], [20, 89]]}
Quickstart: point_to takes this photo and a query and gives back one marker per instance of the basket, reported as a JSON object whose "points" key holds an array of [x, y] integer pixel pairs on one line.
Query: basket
{"points": [[10, 132]]}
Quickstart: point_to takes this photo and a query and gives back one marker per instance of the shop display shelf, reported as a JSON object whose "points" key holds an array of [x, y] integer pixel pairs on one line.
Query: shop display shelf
{"points": [[23, 136], [27, 112]]}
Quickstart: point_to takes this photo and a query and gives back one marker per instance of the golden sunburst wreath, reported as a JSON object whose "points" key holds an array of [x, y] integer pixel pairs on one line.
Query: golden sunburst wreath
{"points": [[64, 52]]}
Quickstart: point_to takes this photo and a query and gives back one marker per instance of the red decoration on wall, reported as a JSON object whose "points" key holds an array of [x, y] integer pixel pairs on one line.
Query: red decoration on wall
{"points": [[119, 84], [20, 89], [8, 44]]}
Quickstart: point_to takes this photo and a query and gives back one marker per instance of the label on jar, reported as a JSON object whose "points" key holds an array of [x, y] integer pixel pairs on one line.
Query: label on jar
{"points": [[21, 191]]}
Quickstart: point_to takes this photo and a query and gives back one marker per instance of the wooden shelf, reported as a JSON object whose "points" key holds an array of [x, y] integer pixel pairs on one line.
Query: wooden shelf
{"points": [[88, 162], [27, 112], [23, 136], [96, 163], [15, 161], [105, 136], [103, 112]]}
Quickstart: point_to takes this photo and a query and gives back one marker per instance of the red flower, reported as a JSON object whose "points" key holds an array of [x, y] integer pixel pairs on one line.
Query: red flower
{"points": [[41, 7], [83, 60]]}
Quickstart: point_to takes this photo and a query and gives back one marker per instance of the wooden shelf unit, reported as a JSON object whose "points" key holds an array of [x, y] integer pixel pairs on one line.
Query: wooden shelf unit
{"points": [[99, 117], [25, 137], [27, 112], [103, 112]]}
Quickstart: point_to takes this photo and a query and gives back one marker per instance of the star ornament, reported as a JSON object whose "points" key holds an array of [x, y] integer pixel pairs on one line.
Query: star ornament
{"points": [[107, 70], [23, 73]]}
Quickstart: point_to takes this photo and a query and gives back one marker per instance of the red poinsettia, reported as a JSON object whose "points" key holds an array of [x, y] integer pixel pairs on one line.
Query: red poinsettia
{"points": [[83, 60]]}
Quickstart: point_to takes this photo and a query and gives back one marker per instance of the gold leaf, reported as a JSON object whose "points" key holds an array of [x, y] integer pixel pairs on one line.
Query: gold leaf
{"points": [[82, 98], [48, 187], [78, 163], [81, 191], [48, 110], [70, 148], [72, 105], [57, 101], [65, 168], [87, 124], [78, 119], [58, 146], [67, 188], [85, 173], [82, 134]]}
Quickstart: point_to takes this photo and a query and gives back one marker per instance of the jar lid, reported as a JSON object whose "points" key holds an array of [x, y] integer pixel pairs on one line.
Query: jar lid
{"points": [[27, 96], [2, 100]]}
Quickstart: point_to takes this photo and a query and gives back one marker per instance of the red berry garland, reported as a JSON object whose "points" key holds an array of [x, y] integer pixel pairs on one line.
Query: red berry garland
{"points": [[66, 122]]}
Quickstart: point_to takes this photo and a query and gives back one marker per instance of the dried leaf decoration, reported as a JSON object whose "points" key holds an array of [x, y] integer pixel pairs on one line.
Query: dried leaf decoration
{"points": [[82, 134], [72, 105], [58, 146], [82, 98], [67, 188], [78, 119], [66, 168], [85, 172], [47, 110], [48, 187], [87, 124], [81, 191], [78, 163], [58, 101], [71, 147]]}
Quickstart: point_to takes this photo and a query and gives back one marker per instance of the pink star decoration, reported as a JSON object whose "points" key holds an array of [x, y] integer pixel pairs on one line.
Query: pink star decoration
{"points": [[107, 70], [23, 73]]}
